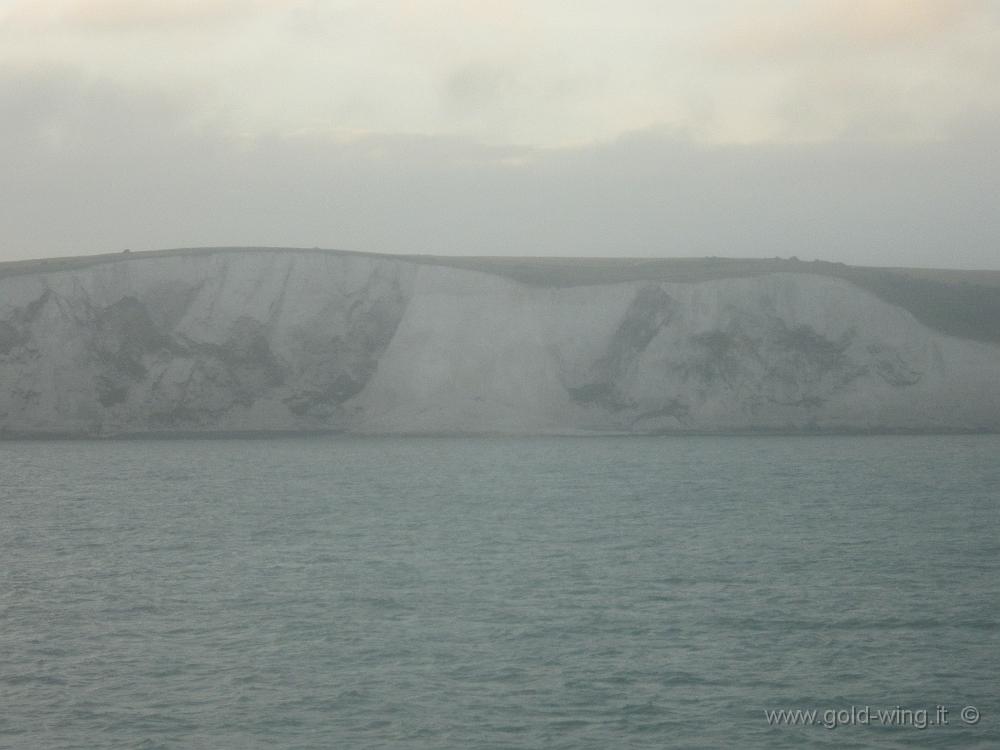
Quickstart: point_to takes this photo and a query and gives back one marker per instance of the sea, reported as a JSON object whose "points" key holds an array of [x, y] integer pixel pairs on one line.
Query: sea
{"points": [[430, 593]]}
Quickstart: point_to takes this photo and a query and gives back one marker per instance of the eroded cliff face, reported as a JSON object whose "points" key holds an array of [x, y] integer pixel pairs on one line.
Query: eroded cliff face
{"points": [[285, 340]]}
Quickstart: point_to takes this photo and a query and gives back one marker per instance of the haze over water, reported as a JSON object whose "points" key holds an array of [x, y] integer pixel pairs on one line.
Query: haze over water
{"points": [[497, 592]]}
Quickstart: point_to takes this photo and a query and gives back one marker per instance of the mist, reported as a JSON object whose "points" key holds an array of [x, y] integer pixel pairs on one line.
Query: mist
{"points": [[92, 167]]}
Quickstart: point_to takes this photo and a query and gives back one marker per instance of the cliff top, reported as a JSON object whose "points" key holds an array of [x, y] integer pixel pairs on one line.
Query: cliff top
{"points": [[961, 303]]}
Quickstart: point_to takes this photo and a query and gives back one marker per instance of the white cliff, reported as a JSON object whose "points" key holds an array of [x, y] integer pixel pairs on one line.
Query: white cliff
{"points": [[261, 340]]}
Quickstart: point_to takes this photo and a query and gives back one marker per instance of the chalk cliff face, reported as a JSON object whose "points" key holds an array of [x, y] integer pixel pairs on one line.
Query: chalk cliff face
{"points": [[287, 340]]}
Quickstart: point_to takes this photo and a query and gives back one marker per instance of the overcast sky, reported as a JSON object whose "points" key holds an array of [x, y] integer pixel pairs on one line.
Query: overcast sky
{"points": [[862, 131]]}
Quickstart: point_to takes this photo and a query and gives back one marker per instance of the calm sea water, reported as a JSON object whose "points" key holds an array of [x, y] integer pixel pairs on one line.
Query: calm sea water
{"points": [[497, 593]]}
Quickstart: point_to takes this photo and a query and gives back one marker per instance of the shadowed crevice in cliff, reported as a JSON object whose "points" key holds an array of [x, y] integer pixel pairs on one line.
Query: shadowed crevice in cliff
{"points": [[675, 410], [10, 337], [124, 334], [168, 302], [650, 310], [766, 362], [719, 355], [771, 361], [335, 367], [892, 367], [127, 343], [243, 365], [20, 357], [15, 332], [177, 380]]}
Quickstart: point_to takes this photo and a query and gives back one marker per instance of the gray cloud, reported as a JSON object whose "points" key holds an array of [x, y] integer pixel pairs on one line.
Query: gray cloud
{"points": [[92, 167]]}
